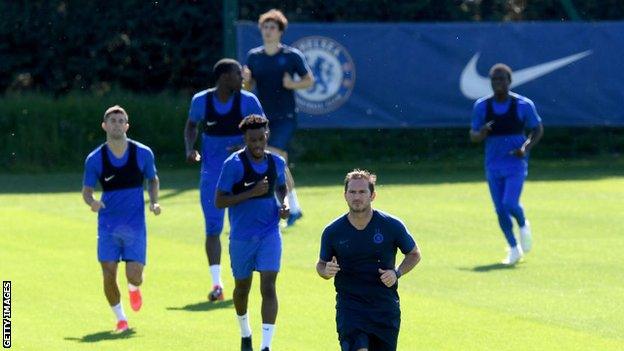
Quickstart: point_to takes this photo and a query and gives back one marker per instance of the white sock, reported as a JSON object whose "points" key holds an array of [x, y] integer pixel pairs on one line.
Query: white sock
{"points": [[215, 271], [132, 287], [267, 335], [243, 321], [119, 312], [293, 202]]}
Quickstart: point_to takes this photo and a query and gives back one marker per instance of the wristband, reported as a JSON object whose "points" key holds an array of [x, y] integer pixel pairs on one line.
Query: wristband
{"points": [[397, 273]]}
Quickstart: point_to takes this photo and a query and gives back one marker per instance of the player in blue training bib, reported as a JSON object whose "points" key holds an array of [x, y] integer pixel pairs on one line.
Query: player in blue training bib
{"points": [[270, 69], [359, 250], [121, 165], [501, 120], [252, 185], [216, 113]]}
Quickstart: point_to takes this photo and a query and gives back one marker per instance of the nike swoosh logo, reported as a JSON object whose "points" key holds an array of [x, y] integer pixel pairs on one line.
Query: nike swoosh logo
{"points": [[475, 86], [106, 179], [211, 123], [248, 184]]}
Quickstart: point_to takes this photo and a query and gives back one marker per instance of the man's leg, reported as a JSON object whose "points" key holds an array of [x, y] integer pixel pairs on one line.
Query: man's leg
{"points": [[282, 131], [269, 307], [241, 299], [134, 274], [242, 255], [511, 201], [214, 225], [497, 191], [111, 290]]}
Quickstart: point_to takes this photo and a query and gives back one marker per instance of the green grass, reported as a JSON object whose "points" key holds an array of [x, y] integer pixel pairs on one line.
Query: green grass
{"points": [[566, 295]]}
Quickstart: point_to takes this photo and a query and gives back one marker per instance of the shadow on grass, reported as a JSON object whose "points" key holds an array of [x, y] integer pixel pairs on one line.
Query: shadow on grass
{"points": [[489, 267], [103, 336], [203, 306]]}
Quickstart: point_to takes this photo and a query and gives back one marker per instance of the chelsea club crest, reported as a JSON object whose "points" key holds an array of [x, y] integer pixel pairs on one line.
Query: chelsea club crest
{"points": [[378, 238], [333, 71]]}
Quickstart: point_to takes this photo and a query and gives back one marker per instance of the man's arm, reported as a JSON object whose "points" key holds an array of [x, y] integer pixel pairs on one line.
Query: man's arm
{"points": [[282, 191], [87, 196], [249, 83], [390, 276], [327, 270], [153, 186], [223, 199], [409, 262], [477, 136], [190, 137], [305, 82], [534, 137]]}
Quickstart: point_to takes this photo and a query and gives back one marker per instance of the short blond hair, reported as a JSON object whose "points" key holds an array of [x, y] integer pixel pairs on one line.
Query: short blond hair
{"points": [[115, 109], [276, 16], [361, 174]]}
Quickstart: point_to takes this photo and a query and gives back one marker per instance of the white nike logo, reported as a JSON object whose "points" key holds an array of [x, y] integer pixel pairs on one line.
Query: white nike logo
{"points": [[474, 86], [248, 184], [106, 179], [211, 123]]}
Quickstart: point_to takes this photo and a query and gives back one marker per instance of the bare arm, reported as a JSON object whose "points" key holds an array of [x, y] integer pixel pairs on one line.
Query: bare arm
{"points": [[249, 83], [409, 262], [305, 82], [87, 196], [534, 137], [190, 137], [153, 186], [281, 191], [390, 276], [481, 134], [327, 270]]}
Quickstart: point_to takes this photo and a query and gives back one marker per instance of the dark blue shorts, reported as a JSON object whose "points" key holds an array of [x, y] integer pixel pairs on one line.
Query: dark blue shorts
{"points": [[282, 131], [376, 331]]}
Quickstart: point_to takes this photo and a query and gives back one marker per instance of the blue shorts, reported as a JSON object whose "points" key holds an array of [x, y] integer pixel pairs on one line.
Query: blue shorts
{"points": [[125, 245], [282, 131], [215, 150], [258, 254], [213, 217]]}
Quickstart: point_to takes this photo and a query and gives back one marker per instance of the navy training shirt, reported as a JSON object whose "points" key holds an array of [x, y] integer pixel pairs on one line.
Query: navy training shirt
{"points": [[268, 72], [360, 253]]}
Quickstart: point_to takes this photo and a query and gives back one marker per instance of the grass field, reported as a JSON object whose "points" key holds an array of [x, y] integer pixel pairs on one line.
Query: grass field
{"points": [[566, 295]]}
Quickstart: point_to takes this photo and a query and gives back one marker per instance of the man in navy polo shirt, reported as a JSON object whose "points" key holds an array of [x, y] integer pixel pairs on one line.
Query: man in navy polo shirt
{"points": [[358, 249], [121, 165], [270, 69], [501, 119]]}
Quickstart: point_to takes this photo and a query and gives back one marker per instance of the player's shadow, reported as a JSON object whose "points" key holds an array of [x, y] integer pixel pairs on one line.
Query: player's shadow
{"points": [[489, 268], [104, 335], [203, 306]]}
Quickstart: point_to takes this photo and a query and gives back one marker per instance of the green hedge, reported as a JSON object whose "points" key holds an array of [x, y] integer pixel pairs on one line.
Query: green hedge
{"points": [[40, 133]]}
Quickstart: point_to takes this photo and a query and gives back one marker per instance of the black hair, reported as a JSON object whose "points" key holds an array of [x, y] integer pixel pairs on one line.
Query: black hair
{"points": [[501, 67], [253, 122], [224, 66]]}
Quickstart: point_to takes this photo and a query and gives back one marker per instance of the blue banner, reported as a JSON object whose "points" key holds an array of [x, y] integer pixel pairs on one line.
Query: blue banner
{"points": [[371, 75]]}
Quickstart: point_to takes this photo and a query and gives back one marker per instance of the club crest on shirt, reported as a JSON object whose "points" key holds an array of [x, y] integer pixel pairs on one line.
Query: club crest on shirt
{"points": [[378, 238], [334, 74]]}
